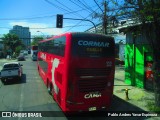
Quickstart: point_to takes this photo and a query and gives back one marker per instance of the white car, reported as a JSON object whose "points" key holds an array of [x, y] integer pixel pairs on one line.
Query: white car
{"points": [[25, 52], [11, 70]]}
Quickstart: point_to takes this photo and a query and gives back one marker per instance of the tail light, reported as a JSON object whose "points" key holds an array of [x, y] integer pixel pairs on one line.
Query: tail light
{"points": [[19, 72]]}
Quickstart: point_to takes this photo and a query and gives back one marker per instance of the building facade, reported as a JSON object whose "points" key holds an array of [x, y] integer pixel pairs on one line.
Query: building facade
{"points": [[23, 33], [138, 56]]}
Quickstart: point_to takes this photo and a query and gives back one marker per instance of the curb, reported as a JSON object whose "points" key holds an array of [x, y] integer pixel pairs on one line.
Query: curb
{"points": [[7, 60]]}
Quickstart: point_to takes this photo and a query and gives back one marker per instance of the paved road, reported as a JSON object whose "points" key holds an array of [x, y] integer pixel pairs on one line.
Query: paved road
{"points": [[30, 94]]}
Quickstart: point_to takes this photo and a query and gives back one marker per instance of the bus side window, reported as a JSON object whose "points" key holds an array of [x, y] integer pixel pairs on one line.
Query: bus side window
{"points": [[42, 47], [52, 46]]}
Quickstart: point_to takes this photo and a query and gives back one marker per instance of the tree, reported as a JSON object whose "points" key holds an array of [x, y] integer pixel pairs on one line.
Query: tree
{"points": [[11, 41], [148, 11], [18, 49], [36, 40], [110, 9]]}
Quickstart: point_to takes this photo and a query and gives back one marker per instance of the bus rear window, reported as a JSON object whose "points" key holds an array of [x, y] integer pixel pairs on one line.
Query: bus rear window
{"points": [[34, 47], [93, 46]]}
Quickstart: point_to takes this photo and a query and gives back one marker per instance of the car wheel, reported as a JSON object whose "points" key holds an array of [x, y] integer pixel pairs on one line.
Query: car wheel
{"points": [[3, 81], [19, 78]]}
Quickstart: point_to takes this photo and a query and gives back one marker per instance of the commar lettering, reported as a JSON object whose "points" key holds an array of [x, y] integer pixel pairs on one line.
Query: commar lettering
{"points": [[93, 43]]}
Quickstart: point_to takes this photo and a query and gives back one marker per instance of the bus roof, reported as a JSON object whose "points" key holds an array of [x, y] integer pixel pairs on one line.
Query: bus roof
{"points": [[75, 33]]}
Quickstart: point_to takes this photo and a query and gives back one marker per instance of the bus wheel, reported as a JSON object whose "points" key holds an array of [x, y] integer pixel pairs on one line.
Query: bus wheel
{"points": [[49, 87]]}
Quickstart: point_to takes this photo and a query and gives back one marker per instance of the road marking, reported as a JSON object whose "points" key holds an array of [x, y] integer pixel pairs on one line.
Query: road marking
{"points": [[21, 101]]}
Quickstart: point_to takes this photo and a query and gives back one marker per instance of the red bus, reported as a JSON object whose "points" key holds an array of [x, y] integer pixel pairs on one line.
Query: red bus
{"points": [[78, 70]]}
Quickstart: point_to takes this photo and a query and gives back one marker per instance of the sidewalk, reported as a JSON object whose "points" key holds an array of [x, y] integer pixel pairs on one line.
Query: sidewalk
{"points": [[7, 60], [3, 60], [137, 96]]}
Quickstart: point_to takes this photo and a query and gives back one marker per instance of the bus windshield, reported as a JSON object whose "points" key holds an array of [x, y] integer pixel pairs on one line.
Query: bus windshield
{"points": [[92, 46]]}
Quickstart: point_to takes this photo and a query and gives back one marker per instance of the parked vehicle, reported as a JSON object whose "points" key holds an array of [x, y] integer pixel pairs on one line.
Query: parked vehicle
{"points": [[34, 57], [21, 57], [118, 61], [29, 51], [34, 52], [22, 52], [25, 52], [11, 70]]}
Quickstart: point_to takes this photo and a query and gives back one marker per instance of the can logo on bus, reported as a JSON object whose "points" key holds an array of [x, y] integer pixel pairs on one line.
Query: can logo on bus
{"points": [[92, 95]]}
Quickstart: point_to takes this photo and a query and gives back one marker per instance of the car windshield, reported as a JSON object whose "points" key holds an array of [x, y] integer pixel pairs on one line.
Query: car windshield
{"points": [[21, 54], [10, 66]]}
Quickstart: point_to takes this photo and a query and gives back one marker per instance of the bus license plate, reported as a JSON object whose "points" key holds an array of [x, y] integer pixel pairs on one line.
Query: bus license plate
{"points": [[92, 109]]}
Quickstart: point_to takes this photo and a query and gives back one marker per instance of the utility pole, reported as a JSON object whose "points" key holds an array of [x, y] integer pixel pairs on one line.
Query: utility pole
{"points": [[105, 18]]}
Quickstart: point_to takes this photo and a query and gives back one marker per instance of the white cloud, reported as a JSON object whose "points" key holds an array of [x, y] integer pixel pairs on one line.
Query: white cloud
{"points": [[34, 27]]}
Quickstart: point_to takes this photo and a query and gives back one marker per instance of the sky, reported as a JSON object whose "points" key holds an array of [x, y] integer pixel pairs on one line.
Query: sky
{"points": [[40, 15]]}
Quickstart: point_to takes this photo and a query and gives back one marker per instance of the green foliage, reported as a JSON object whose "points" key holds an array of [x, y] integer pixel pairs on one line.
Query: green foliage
{"points": [[18, 49], [36, 40], [149, 18], [145, 10], [11, 41], [152, 107]]}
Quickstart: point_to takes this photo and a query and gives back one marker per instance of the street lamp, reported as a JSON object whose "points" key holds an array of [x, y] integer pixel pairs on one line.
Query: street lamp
{"points": [[41, 33]]}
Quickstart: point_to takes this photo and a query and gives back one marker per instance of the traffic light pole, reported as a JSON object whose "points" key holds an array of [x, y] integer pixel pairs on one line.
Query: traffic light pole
{"points": [[83, 20]]}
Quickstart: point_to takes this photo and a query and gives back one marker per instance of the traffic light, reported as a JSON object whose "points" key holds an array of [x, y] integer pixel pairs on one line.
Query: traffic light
{"points": [[59, 22]]}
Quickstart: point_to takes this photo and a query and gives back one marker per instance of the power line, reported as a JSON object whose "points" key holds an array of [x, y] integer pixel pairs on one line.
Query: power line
{"points": [[40, 17], [82, 20], [63, 5], [88, 6], [50, 27], [84, 6], [78, 5], [77, 24], [26, 18], [61, 8], [98, 5], [56, 6], [69, 9], [73, 26], [63, 27]]}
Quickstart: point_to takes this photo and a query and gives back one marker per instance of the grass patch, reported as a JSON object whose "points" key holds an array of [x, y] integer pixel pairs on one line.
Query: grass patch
{"points": [[137, 97], [151, 106]]}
